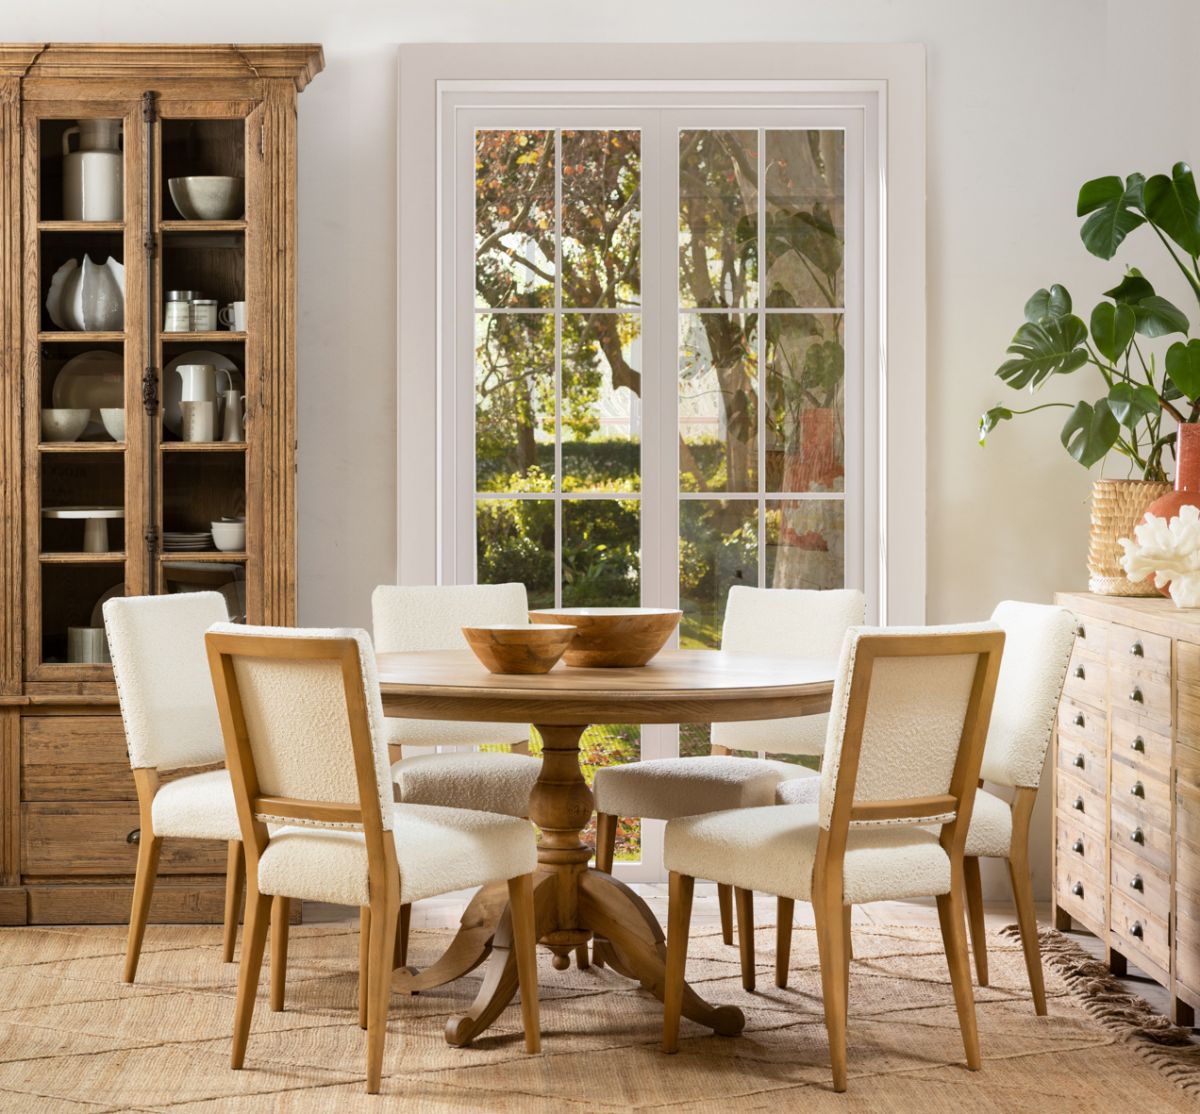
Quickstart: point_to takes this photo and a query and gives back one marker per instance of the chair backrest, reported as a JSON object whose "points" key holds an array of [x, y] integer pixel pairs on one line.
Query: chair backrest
{"points": [[907, 726], [786, 622], [163, 684], [431, 617], [1037, 650]]}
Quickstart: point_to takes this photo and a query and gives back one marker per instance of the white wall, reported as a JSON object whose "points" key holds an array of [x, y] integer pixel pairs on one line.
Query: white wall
{"points": [[1026, 99]]}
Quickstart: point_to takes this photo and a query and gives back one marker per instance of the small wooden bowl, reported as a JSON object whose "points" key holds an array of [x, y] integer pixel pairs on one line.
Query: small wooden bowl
{"points": [[613, 637], [513, 649]]}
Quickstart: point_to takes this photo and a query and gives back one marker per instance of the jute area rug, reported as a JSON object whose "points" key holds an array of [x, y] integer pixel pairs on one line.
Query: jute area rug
{"points": [[73, 1038]]}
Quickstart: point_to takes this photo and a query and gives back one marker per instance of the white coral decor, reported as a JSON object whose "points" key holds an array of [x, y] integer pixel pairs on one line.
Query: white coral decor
{"points": [[1169, 550]]}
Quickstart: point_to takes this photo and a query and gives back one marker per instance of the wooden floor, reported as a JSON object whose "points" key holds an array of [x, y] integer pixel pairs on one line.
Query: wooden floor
{"points": [[444, 912]]}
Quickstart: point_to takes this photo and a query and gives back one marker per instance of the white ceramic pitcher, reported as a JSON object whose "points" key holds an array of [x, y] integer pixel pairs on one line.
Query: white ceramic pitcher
{"points": [[198, 382], [93, 175]]}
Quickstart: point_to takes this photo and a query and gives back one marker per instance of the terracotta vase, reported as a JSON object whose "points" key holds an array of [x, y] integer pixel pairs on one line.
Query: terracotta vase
{"points": [[1187, 475]]}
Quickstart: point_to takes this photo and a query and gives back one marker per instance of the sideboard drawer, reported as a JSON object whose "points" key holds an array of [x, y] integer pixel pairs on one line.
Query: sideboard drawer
{"points": [[1139, 651], [1080, 802], [1082, 759], [1076, 721], [1146, 697], [1135, 929], [1142, 790], [1082, 893], [75, 758], [1087, 679], [102, 838], [1079, 845], [1187, 866], [1149, 842], [1137, 743], [1187, 818], [1092, 635], [1140, 882], [1187, 939]]}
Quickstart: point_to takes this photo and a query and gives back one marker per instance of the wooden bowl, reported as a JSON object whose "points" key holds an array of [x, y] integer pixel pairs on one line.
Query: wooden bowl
{"points": [[513, 649], [612, 637]]}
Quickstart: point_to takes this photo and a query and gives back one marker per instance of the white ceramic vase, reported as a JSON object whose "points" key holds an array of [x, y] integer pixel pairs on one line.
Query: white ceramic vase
{"points": [[93, 175], [88, 298]]}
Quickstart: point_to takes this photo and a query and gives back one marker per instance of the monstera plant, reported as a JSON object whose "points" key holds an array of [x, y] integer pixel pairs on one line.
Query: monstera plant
{"points": [[1126, 377]]}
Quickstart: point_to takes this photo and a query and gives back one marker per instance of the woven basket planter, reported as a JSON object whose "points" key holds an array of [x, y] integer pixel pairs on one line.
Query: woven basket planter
{"points": [[1117, 507]]}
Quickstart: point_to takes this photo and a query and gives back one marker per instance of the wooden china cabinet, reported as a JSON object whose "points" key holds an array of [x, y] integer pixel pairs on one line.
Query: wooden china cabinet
{"points": [[68, 840]]}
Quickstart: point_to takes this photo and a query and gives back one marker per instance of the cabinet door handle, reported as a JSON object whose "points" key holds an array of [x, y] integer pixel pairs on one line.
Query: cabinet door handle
{"points": [[1077, 804], [1077, 889], [1136, 930], [1077, 847], [1080, 673], [135, 836], [1138, 744], [1136, 883], [1136, 696], [1138, 790], [1079, 720], [1081, 631], [1136, 649], [1079, 762], [1138, 836]]}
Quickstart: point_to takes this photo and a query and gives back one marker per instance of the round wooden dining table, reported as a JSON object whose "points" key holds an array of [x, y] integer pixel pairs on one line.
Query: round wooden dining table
{"points": [[574, 902]]}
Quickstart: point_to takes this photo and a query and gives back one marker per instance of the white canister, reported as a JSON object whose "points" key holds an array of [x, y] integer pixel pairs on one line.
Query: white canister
{"points": [[93, 175], [204, 315], [177, 317]]}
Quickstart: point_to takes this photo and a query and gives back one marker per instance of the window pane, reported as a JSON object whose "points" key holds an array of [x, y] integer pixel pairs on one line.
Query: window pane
{"points": [[718, 402], [514, 401], [601, 553], [805, 402], [806, 230], [806, 543], [718, 218], [718, 547], [601, 412], [601, 218], [514, 217], [514, 540]]}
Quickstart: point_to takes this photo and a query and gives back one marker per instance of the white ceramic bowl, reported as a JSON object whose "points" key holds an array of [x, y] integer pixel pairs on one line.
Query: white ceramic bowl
{"points": [[64, 424], [113, 418], [229, 537], [209, 197]]}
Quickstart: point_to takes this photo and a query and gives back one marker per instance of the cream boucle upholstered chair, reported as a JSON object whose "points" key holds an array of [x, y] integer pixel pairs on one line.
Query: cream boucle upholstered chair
{"points": [[170, 718], [906, 733], [304, 739], [783, 622], [1040, 639]]}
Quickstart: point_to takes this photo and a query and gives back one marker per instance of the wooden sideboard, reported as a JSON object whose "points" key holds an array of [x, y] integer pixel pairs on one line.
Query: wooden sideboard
{"points": [[1127, 789], [68, 809]]}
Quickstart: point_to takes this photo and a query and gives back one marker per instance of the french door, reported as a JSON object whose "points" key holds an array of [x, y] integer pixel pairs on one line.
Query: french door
{"points": [[657, 327]]}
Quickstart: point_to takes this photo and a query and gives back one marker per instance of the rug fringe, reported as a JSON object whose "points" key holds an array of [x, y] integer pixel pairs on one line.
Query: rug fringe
{"points": [[1169, 1048]]}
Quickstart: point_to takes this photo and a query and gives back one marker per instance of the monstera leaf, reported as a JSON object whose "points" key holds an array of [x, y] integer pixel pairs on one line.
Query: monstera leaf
{"points": [[1172, 204], [1129, 403], [1042, 349], [992, 418], [1112, 328], [1116, 210], [1154, 315], [1090, 432], [1183, 366], [1052, 304]]}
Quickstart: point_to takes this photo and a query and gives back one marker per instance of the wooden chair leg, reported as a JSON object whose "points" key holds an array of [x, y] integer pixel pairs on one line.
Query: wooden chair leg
{"points": [[520, 903], [679, 919], [784, 909], [975, 919], [848, 948], [725, 903], [385, 919], [831, 947], [744, 900], [951, 914], [235, 884], [280, 910], [401, 956], [1022, 891], [254, 940], [143, 890], [364, 961]]}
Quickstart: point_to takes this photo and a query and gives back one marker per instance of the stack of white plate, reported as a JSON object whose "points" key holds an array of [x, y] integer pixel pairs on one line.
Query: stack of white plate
{"points": [[176, 541]]}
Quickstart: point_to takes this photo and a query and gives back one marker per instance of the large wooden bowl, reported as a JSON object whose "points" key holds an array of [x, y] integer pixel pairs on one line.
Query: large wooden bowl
{"points": [[513, 649], [612, 637]]}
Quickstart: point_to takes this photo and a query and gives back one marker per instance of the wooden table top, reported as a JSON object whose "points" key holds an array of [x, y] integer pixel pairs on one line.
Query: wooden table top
{"points": [[678, 686]]}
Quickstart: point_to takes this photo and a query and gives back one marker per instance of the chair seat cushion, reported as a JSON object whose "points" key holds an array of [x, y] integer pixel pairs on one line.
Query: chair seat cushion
{"points": [[990, 833], [665, 788], [489, 781], [772, 850], [450, 733], [799, 791], [438, 850], [199, 806]]}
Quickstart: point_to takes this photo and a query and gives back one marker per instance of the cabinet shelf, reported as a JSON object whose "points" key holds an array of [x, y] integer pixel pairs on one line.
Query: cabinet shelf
{"points": [[202, 226], [66, 336], [203, 446], [115, 558], [81, 447], [210, 336], [81, 226], [215, 556]]}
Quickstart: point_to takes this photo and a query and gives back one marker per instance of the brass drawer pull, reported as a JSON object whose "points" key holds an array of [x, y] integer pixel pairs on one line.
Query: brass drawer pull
{"points": [[1079, 720], [1077, 804], [1136, 930], [135, 836], [1077, 847], [1138, 790], [1136, 696], [1136, 883], [1138, 744], [1079, 673], [1136, 649], [1079, 763], [1138, 836], [1080, 631], [1077, 889]]}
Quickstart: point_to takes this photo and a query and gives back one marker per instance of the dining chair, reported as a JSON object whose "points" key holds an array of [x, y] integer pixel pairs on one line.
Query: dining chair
{"points": [[306, 749], [907, 727], [781, 622], [1037, 650], [170, 718]]}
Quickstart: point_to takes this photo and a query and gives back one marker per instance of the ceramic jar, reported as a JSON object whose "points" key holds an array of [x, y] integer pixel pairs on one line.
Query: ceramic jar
{"points": [[93, 185]]}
